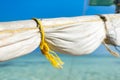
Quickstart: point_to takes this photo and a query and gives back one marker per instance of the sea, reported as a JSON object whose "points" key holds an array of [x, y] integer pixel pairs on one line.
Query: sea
{"points": [[36, 67]]}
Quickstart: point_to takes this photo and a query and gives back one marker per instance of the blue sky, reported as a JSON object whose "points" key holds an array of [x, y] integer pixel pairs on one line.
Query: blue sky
{"points": [[11, 10], [26, 9]]}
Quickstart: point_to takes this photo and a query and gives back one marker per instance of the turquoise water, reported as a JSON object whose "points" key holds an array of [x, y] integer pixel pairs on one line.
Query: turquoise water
{"points": [[36, 67]]}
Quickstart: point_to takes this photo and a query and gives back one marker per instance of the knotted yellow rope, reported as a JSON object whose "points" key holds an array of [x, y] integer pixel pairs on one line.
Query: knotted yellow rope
{"points": [[49, 54]]}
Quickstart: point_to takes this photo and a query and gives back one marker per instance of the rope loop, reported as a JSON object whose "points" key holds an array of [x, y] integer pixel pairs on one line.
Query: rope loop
{"points": [[106, 40], [46, 51]]}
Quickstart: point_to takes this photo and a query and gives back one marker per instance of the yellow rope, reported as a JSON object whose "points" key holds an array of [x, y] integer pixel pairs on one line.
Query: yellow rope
{"points": [[49, 54]]}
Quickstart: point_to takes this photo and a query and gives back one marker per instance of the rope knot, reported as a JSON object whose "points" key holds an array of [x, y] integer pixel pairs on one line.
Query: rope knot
{"points": [[46, 51], [108, 40]]}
